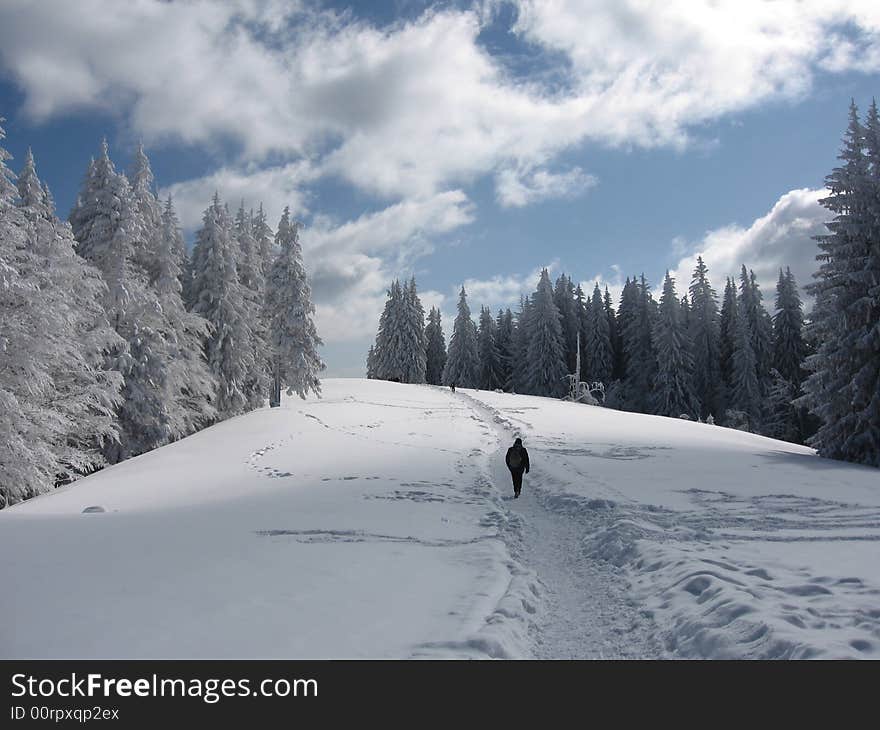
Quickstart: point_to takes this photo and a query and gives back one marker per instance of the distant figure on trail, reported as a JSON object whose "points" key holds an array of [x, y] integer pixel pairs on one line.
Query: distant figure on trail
{"points": [[517, 461], [452, 385]]}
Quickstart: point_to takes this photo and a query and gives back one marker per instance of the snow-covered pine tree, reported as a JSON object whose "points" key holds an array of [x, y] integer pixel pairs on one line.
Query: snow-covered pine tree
{"points": [[614, 337], [490, 359], [745, 396], [415, 344], [463, 356], [685, 312], [56, 401], [293, 337], [727, 340], [600, 356], [371, 363], [582, 305], [250, 273], [704, 333], [563, 297], [159, 251], [781, 419], [626, 314], [842, 389], [760, 325], [545, 360], [191, 381], [25, 454], [639, 348], [264, 239], [504, 339], [673, 393], [435, 349], [113, 234], [789, 348], [219, 297], [519, 349], [148, 212], [388, 348], [74, 335]]}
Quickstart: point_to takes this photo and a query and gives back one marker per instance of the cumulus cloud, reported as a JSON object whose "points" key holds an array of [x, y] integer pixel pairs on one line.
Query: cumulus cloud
{"points": [[514, 188], [420, 106], [781, 238], [274, 187], [351, 263], [612, 281]]}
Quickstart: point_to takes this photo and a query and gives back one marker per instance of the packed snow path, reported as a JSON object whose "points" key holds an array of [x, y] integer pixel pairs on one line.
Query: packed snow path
{"points": [[589, 613], [689, 540], [379, 522]]}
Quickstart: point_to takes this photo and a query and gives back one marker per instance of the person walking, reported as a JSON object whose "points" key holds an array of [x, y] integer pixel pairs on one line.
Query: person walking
{"points": [[517, 461], [452, 385]]}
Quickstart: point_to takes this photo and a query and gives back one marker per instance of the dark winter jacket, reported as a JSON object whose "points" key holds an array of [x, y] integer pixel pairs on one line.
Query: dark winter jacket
{"points": [[524, 457]]}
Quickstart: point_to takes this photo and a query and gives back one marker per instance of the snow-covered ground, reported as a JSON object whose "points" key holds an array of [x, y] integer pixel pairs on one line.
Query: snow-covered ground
{"points": [[378, 522]]}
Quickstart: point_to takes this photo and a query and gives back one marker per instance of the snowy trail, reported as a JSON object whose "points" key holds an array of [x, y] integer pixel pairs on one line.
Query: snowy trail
{"points": [[660, 537], [378, 521], [588, 612]]}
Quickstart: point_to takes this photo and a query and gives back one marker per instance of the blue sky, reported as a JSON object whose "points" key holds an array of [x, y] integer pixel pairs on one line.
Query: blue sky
{"points": [[462, 142]]}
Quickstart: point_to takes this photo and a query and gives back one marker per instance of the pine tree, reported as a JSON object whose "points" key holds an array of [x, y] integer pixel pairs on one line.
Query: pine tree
{"points": [[505, 340], [614, 337], [727, 340], [490, 376], [519, 349], [192, 382], [842, 390], [219, 297], [293, 337], [415, 351], [435, 349], [639, 348], [782, 420], [564, 298], [745, 395], [250, 273], [114, 234], [626, 314], [600, 357], [760, 326], [673, 393], [57, 402], [705, 336], [463, 357], [401, 345], [25, 454], [789, 348], [582, 305], [264, 240], [389, 364], [545, 361], [175, 337], [371, 363]]}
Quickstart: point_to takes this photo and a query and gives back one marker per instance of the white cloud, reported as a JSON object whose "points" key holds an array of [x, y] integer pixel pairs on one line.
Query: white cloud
{"points": [[649, 71], [516, 188], [781, 238], [422, 106], [274, 187], [613, 282], [500, 291], [351, 264]]}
